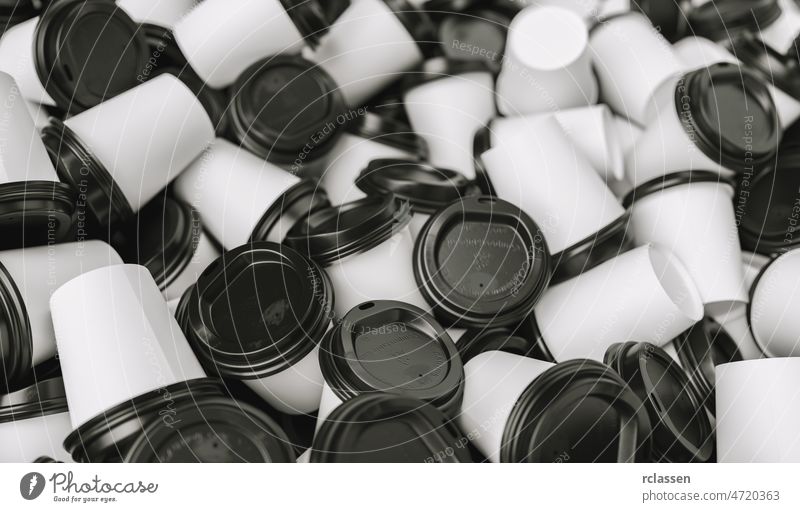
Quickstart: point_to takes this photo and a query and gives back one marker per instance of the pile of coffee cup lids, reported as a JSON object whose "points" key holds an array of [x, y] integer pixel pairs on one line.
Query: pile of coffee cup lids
{"points": [[399, 230]]}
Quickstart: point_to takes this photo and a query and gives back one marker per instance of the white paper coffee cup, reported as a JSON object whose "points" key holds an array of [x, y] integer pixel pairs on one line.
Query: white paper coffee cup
{"points": [[37, 272], [757, 420], [112, 350], [696, 222], [493, 382], [347, 159], [222, 38], [774, 300], [23, 156], [631, 60], [447, 112], [590, 129], [295, 390], [17, 59], [644, 294], [780, 35], [232, 188], [163, 13], [364, 276], [548, 178], [548, 64], [145, 137], [366, 49]]}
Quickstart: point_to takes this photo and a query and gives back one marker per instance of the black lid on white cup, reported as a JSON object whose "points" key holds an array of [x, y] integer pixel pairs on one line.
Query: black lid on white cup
{"points": [[781, 70], [418, 24], [213, 429], [162, 237], [682, 431], [334, 8], [310, 17], [291, 208], [700, 349], [40, 399], [425, 187], [719, 20], [107, 436], [478, 33], [77, 166], [713, 104], [481, 261], [669, 17], [214, 101], [765, 208], [389, 131], [285, 108], [35, 213], [334, 233], [670, 180], [16, 344], [382, 427], [478, 341], [87, 51], [608, 243], [393, 347], [256, 311], [581, 408]]}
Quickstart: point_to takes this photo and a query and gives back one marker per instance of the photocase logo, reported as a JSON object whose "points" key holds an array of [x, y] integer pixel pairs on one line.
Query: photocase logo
{"points": [[31, 485]]}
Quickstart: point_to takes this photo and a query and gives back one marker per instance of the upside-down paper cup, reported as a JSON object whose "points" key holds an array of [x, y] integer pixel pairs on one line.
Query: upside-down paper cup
{"points": [[631, 60], [356, 49], [124, 151], [548, 64], [756, 419], [241, 197], [518, 409], [544, 174], [222, 38], [692, 215], [643, 294], [446, 106]]}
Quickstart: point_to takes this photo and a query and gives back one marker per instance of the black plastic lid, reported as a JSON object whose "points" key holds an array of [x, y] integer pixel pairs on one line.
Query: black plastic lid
{"points": [[669, 16], [476, 34], [381, 427], [215, 429], [481, 143], [712, 107], [40, 399], [107, 436], [580, 411], [477, 341], [44, 459], [767, 210], [393, 347], [670, 180], [291, 208], [310, 18], [608, 243], [87, 51], [35, 213], [16, 344], [682, 431], [418, 24], [286, 108], [256, 311], [78, 167], [425, 187], [700, 349], [481, 261], [529, 329], [163, 238], [781, 70], [332, 234], [438, 68], [389, 131], [720, 20], [163, 49], [14, 12]]}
